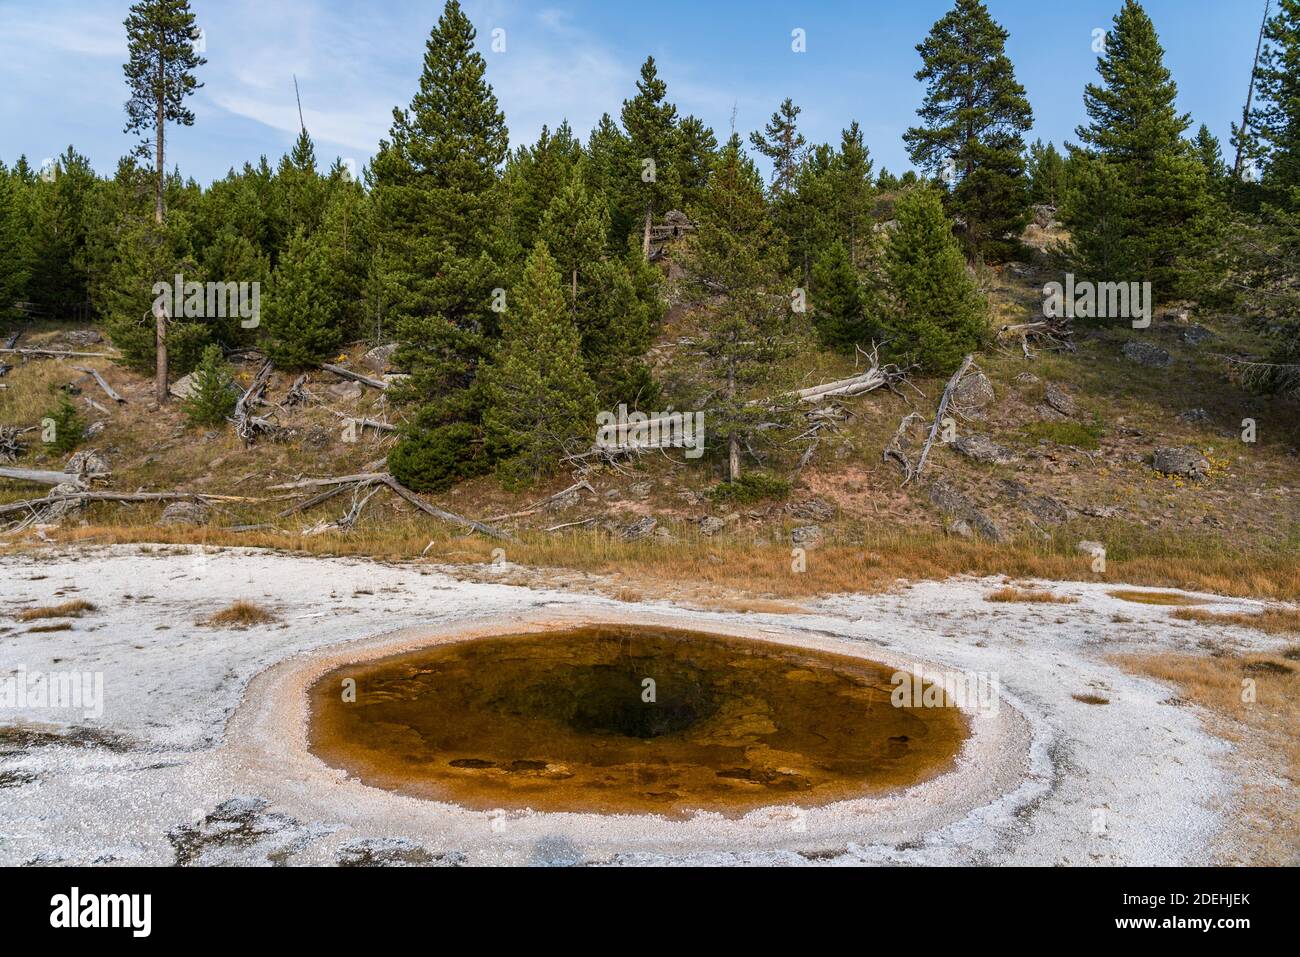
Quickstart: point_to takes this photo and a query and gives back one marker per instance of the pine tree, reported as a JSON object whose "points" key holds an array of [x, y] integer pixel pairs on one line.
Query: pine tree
{"points": [[300, 314], [697, 148], [854, 194], [575, 227], [536, 175], [1046, 168], [436, 212], [973, 116], [651, 125], [14, 243], [210, 400], [614, 176], [749, 333], [782, 143], [840, 301], [300, 189], [160, 75], [346, 237], [940, 315], [1148, 215], [540, 401], [1275, 120]]}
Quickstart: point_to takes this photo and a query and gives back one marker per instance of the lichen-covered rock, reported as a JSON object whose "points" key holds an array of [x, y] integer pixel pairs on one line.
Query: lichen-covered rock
{"points": [[1146, 354], [957, 505], [974, 392], [380, 358], [1060, 400], [981, 448], [813, 509], [711, 525], [806, 536], [1181, 461], [638, 529], [88, 463], [185, 513]]}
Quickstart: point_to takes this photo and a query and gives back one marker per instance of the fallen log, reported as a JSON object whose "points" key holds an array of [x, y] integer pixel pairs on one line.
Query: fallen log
{"points": [[379, 384], [58, 353], [39, 476], [446, 516], [938, 416], [336, 480], [108, 389], [115, 497]]}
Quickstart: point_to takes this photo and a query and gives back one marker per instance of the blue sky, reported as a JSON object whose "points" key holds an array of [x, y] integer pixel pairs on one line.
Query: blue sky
{"points": [[61, 68]]}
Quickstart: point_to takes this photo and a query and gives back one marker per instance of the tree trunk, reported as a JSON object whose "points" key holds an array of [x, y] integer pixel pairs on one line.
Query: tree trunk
{"points": [[1250, 93], [160, 314], [645, 239], [160, 371], [733, 459]]}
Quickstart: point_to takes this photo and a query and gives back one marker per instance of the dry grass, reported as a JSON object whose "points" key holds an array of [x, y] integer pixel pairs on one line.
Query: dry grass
{"points": [[1157, 597], [1274, 621], [69, 609], [241, 614], [1264, 827], [39, 629], [753, 569], [1090, 698], [1031, 596]]}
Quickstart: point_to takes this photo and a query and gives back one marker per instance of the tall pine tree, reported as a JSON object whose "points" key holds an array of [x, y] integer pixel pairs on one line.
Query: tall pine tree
{"points": [[939, 314], [973, 116], [160, 75], [651, 125], [749, 332], [1139, 206], [436, 206], [540, 401]]}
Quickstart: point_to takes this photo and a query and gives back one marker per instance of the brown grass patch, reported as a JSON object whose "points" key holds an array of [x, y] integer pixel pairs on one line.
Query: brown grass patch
{"points": [[1157, 597], [69, 609], [60, 626], [1032, 596], [1264, 828], [1274, 621], [241, 614], [1090, 698]]}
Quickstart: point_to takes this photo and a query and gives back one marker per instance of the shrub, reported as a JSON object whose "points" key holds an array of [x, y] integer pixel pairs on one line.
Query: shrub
{"points": [[210, 400], [62, 426], [431, 460], [751, 487]]}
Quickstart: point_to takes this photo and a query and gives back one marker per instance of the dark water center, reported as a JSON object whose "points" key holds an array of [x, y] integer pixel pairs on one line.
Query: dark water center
{"points": [[627, 719]]}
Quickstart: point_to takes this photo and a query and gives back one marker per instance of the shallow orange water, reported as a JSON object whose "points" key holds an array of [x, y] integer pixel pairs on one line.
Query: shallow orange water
{"points": [[620, 719]]}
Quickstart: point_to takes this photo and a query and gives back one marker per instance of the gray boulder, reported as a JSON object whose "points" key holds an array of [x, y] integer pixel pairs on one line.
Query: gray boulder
{"points": [[981, 448], [185, 513], [1181, 461], [1146, 354], [1060, 400], [973, 392]]}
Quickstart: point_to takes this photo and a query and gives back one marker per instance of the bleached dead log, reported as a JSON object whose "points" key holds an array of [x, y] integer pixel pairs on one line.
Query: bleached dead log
{"points": [[59, 354], [335, 480], [442, 514], [39, 476], [938, 416], [108, 389], [87, 496], [298, 394], [379, 384], [247, 425], [94, 405], [894, 450]]}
